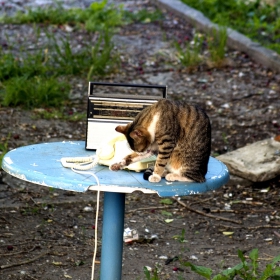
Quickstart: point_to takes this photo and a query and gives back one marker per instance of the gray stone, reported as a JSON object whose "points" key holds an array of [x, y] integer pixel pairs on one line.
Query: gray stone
{"points": [[256, 162]]}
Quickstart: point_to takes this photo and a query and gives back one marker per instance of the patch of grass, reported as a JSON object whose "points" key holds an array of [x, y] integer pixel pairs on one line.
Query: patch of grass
{"points": [[217, 41], [98, 59], [192, 54], [22, 64], [248, 269], [102, 60], [96, 17], [36, 91], [35, 79], [38, 78], [255, 18], [143, 16]]}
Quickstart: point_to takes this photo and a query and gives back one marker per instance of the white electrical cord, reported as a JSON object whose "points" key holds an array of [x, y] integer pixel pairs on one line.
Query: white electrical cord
{"points": [[78, 165], [96, 217]]}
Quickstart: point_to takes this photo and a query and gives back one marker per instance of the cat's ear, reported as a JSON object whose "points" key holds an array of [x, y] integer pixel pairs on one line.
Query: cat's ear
{"points": [[137, 133], [121, 128]]}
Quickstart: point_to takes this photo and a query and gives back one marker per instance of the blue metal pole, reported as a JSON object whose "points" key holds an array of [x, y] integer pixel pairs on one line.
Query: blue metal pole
{"points": [[112, 236]]}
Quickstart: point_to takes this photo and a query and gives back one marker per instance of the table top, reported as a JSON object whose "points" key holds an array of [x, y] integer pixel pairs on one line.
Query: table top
{"points": [[40, 164]]}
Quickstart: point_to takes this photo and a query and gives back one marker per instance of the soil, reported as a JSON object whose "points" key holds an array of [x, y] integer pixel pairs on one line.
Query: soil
{"points": [[48, 233]]}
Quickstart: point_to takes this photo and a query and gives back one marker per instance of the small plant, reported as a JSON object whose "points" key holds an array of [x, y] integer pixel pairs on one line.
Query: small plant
{"points": [[101, 57], [181, 237], [29, 211], [154, 276], [142, 16], [190, 56], [193, 54], [217, 41], [35, 92], [166, 201], [247, 270]]}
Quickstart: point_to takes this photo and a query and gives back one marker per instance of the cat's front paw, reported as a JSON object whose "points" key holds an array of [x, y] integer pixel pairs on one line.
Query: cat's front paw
{"points": [[171, 177], [116, 166], [175, 177], [154, 178]]}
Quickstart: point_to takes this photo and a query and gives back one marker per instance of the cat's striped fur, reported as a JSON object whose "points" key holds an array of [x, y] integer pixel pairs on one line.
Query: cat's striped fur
{"points": [[180, 135]]}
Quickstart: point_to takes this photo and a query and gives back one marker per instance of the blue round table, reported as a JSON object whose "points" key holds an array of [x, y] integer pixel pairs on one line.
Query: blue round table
{"points": [[40, 164]]}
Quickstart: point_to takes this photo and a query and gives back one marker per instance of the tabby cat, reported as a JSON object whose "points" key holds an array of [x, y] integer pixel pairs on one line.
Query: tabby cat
{"points": [[178, 133]]}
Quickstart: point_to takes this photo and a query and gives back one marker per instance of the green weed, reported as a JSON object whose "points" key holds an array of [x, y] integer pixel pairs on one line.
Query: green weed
{"points": [[38, 78], [153, 276], [193, 54], [34, 79], [166, 201], [181, 238], [190, 56], [30, 211], [96, 17], [35, 92], [22, 64], [247, 270], [256, 19], [102, 60], [142, 16], [217, 41], [98, 59]]}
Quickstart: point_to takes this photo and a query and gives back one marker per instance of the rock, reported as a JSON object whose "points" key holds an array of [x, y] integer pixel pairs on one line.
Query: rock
{"points": [[257, 162]]}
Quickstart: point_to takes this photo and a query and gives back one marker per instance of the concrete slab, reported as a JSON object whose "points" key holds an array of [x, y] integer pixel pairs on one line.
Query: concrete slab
{"points": [[257, 162]]}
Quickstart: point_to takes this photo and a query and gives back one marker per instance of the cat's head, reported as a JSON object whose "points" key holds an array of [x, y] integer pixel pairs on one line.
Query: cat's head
{"points": [[139, 139]]}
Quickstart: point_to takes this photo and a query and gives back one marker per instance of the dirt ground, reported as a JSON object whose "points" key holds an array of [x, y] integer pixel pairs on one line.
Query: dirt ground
{"points": [[48, 233]]}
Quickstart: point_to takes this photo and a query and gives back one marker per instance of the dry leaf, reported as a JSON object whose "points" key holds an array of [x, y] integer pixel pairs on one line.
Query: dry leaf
{"points": [[57, 263], [227, 233]]}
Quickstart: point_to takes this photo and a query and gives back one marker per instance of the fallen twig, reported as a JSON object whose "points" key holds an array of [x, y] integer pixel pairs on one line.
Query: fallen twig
{"points": [[262, 226], [201, 201], [20, 252], [149, 208], [206, 215], [254, 203], [29, 276], [251, 228], [246, 257], [241, 210], [23, 262]]}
